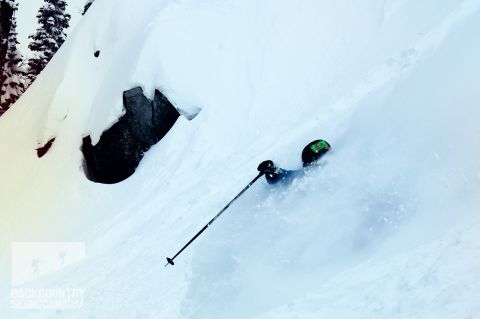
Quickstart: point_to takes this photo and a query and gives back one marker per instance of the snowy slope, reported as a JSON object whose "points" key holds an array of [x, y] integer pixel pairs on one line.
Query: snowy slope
{"points": [[387, 228]]}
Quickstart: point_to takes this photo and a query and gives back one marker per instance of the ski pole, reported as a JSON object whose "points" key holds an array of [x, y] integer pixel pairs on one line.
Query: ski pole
{"points": [[170, 260]]}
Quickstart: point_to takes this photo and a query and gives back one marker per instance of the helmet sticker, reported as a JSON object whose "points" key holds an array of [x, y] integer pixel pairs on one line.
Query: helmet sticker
{"points": [[319, 146]]}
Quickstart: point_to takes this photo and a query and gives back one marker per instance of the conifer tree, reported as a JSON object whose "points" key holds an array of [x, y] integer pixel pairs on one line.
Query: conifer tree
{"points": [[6, 13], [53, 21], [12, 74]]}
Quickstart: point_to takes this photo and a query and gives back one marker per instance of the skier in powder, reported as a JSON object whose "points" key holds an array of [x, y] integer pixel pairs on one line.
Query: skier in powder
{"points": [[310, 154]]}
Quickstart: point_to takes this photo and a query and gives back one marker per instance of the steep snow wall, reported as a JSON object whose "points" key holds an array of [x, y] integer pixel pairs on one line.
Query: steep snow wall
{"points": [[392, 86]]}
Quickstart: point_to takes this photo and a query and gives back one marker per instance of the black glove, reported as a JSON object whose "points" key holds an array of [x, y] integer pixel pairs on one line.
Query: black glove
{"points": [[267, 167]]}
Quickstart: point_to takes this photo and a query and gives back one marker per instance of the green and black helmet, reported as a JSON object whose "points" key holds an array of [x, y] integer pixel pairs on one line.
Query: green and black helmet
{"points": [[313, 151]]}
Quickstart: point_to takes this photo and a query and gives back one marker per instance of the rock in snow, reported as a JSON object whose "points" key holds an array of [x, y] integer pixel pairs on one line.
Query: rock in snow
{"points": [[120, 149]]}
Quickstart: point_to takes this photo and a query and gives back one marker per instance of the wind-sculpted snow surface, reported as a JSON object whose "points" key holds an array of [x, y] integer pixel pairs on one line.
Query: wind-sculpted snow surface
{"points": [[386, 227]]}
